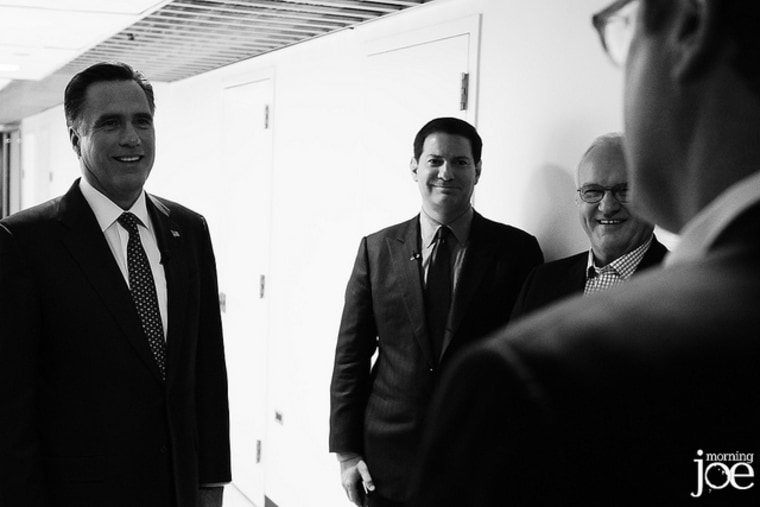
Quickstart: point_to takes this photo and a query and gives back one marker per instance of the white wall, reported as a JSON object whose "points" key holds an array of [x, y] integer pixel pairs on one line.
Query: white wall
{"points": [[48, 163], [546, 90]]}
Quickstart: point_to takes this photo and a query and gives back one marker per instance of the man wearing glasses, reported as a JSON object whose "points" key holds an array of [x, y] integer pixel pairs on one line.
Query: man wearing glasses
{"points": [[621, 243], [648, 394]]}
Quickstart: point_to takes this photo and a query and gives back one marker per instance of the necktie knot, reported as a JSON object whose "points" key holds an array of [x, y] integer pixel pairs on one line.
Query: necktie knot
{"points": [[129, 221], [443, 234]]}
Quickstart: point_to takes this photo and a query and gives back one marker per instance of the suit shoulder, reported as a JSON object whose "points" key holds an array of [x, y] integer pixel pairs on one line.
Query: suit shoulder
{"points": [[503, 231], [562, 265], [507, 239], [394, 230], [176, 210], [33, 217]]}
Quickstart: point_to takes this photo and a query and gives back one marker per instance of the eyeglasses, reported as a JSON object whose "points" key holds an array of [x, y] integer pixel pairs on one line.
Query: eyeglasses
{"points": [[593, 194], [616, 25]]}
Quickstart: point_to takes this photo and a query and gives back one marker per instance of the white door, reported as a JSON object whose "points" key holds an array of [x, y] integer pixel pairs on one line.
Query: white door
{"points": [[410, 80], [243, 265]]}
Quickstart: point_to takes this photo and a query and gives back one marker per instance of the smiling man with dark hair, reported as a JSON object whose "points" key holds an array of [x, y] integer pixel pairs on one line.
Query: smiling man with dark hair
{"points": [[419, 292], [112, 372]]}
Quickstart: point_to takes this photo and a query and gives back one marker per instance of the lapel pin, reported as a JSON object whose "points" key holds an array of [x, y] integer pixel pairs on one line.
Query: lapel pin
{"points": [[175, 233]]}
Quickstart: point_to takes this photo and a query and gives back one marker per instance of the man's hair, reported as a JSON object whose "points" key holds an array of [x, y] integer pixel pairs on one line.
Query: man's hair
{"points": [[451, 126], [612, 139], [76, 90], [738, 21]]}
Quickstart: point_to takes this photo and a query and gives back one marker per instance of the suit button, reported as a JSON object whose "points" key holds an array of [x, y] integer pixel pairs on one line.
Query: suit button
{"points": [[431, 369]]}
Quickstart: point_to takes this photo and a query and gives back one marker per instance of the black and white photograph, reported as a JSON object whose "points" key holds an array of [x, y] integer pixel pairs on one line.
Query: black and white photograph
{"points": [[379, 253]]}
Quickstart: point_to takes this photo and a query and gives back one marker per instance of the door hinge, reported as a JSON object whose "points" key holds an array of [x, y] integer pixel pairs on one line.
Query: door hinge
{"points": [[262, 286], [266, 117], [464, 91]]}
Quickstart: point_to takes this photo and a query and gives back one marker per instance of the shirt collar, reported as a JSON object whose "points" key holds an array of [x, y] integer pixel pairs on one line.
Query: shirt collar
{"points": [[704, 228], [625, 265], [106, 211], [460, 227]]}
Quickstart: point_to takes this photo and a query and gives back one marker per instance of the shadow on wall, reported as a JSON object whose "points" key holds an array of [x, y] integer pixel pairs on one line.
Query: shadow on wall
{"points": [[553, 212]]}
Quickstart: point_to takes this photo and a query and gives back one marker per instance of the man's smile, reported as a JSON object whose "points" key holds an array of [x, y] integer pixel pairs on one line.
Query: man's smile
{"points": [[129, 159]]}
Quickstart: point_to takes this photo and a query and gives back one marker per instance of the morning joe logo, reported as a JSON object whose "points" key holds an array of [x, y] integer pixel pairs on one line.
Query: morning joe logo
{"points": [[724, 469]]}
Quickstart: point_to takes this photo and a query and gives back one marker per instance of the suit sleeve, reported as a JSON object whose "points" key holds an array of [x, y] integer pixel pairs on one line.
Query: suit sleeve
{"points": [[21, 478], [357, 340], [536, 255], [522, 305], [211, 395], [531, 257]]}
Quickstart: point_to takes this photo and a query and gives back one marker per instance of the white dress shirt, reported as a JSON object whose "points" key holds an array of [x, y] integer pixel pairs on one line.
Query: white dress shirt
{"points": [[107, 213], [460, 229]]}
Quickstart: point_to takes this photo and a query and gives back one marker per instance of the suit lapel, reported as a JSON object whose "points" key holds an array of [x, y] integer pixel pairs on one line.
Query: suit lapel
{"points": [[477, 262], [171, 240], [652, 257], [85, 241], [407, 261], [577, 281]]}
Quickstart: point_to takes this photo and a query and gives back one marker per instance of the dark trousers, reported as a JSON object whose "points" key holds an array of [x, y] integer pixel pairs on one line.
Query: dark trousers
{"points": [[376, 500]]}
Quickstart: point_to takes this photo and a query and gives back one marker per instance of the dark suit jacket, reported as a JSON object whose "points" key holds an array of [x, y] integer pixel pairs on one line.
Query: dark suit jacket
{"points": [[379, 413], [84, 416], [610, 403], [558, 279]]}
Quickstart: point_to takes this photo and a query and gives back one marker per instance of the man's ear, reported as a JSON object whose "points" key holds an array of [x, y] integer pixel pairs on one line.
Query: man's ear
{"points": [[75, 139], [696, 35], [413, 165], [478, 167]]}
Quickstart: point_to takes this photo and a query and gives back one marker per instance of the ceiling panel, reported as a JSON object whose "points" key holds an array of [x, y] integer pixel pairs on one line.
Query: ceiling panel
{"points": [[38, 37], [171, 40], [114, 6]]}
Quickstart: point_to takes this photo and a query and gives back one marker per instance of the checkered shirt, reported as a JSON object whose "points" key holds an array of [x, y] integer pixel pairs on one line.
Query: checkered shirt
{"points": [[616, 272]]}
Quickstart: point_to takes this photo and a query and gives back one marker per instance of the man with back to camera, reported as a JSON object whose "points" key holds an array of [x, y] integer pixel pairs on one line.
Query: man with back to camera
{"points": [[418, 293], [622, 244], [112, 371], [646, 395]]}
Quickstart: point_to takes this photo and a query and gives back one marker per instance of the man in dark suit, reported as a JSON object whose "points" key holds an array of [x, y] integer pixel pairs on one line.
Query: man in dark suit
{"points": [[419, 292], [622, 244], [648, 394], [112, 372]]}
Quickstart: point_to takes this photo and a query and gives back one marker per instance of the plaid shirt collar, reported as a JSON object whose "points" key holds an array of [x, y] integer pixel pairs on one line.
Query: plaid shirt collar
{"points": [[625, 265]]}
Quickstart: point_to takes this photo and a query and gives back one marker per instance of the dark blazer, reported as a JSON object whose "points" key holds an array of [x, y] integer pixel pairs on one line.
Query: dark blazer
{"points": [[610, 403], [85, 418], [378, 413], [558, 279]]}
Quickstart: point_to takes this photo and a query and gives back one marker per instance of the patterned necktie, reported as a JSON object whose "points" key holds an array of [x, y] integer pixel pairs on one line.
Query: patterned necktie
{"points": [[438, 290], [143, 290]]}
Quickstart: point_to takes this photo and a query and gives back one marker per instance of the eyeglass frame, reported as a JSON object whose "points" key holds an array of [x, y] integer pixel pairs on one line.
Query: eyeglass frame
{"points": [[601, 20], [614, 190]]}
